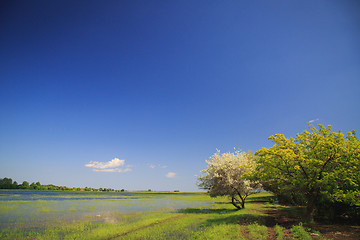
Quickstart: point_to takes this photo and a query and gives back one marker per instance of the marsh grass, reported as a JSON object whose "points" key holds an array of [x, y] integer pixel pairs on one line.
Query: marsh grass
{"points": [[92, 219], [208, 218]]}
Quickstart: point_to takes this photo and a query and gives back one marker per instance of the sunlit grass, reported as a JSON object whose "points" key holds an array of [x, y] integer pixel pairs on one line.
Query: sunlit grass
{"points": [[220, 232], [257, 231], [154, 217], [299, 232], [279, 231]]}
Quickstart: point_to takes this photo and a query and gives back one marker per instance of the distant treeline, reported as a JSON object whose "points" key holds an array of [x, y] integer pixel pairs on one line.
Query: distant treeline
{"points": [[7, 183]]}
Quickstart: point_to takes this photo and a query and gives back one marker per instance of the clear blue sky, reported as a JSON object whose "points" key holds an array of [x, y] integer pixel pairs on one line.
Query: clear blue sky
{"points": [[163, 84]]}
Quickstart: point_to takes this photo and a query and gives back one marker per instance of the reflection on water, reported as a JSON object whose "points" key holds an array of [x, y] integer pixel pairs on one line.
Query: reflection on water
{"points": [[36, 208]]}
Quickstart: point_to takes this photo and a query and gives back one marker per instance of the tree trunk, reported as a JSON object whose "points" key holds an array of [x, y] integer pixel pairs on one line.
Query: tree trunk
{"points": [[242, 200], [310, 209], [243, 203], [234, 203]]}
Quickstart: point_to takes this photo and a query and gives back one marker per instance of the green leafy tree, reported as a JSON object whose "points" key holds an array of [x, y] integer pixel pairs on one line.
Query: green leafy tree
{"points": [[314, 165], [226, 174], [25, 185], [33, 186], [6, 183]]}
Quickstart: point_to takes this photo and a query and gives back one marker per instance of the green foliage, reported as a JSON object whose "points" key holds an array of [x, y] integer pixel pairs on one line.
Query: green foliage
{"points": [[25, 185], [7, 183], [316, 164]]}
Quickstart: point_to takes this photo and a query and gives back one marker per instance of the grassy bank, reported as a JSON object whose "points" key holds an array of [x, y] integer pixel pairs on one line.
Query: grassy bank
{"points": [[259, 220]]}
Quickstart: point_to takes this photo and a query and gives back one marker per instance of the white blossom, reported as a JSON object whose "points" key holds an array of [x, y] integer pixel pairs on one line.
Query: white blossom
{"points": [[226, 174]]}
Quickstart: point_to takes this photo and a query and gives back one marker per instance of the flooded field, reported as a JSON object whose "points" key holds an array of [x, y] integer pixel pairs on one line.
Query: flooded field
{"points": [[38, 209]]}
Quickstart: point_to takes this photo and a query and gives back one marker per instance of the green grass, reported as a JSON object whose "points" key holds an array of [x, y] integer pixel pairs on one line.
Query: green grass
{"points": [[257, 231], [209, 222], [95, 219], [220, 232], [279, 231], [216, 220], [299, 232]]}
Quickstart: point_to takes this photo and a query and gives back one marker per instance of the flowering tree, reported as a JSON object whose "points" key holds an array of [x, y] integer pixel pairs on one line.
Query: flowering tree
{"points": [[226, 174]]}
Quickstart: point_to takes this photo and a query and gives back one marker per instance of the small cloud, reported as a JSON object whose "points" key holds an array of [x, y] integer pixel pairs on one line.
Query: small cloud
{"points": [[157, 166], [314, 120], [110, 166], [170, 175], [113, 170]]}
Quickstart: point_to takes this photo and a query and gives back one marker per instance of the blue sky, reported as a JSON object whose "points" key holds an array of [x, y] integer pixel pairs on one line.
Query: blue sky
{"points": [[138, 94]]}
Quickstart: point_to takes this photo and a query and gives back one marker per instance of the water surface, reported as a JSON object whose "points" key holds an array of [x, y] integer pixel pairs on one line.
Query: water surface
{"points": [[35, 208]]}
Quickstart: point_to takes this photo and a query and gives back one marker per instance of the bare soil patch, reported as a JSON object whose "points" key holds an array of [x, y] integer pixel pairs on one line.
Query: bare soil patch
{"points": [[336, 231]]}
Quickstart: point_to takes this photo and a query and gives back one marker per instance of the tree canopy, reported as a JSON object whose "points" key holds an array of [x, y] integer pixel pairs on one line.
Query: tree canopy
{"points": [[7, 183], [314, 165], [225, 176]]}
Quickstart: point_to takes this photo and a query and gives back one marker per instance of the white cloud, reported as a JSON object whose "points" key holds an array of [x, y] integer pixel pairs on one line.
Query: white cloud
{"points": [[170, 175], [110, 166], [314, 120], [113, 170], [157, 166]]}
